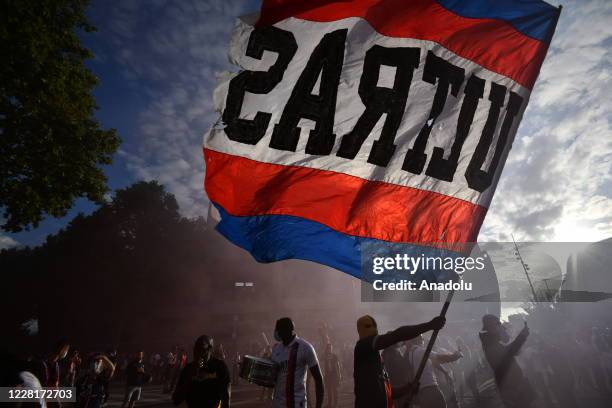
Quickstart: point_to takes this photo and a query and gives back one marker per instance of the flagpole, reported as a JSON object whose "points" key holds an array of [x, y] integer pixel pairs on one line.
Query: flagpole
{"points": [[428, 350]]}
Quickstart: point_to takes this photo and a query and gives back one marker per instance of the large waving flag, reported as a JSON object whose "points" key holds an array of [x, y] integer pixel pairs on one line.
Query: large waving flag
{"points": [[354, 122]]}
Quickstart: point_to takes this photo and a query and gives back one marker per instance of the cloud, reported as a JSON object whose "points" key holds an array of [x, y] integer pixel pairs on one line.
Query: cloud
{"points": [[7, 242], [171, 52], [557, 183]]}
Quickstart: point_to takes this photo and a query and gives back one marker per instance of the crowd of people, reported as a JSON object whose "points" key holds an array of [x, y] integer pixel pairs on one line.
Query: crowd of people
{"points": [[501, 364], [92, 374]]}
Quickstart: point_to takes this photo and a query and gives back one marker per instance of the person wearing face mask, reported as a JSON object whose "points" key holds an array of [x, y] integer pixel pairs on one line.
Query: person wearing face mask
{"points": [[293, 356], [372, 386], [204, 382], [514, 388]]}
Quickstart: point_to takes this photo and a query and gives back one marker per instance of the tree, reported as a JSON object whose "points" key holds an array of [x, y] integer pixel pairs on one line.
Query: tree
{"points": [[135, 273], [51, 146], [114, 270]]}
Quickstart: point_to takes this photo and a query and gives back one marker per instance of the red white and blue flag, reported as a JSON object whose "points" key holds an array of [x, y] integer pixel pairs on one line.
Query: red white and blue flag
{"points": [[369, 120]]}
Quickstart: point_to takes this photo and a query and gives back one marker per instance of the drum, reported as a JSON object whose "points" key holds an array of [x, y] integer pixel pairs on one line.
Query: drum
{"points": [[258, 371]]}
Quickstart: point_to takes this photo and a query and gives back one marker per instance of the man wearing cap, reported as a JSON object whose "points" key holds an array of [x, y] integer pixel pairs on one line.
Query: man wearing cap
{"points": [[514, 388], [293, 356], [372, 386]]}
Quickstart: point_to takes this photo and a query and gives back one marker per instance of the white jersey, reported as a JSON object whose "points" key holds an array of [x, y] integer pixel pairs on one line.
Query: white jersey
{"points": [[428, 378], [293, 361], [29, 380]]}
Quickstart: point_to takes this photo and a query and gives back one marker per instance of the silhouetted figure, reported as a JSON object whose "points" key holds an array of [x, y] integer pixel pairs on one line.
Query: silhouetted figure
{"points": [[181, 362], [172, 359], [467, 368], [205, 382], [113, 357], [48, 371], [156, 366], [333, 375], [514, 388], [14, 372], [72, 365], [91, 386], [372, 385], [136, 378], [398, 368]]}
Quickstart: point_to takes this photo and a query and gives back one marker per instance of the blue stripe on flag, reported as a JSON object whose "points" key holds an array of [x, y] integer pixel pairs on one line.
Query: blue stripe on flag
{"points": [[271, 238], [534, 18]]}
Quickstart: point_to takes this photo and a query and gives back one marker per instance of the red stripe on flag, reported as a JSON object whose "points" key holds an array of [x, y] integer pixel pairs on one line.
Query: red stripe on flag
{"points": [[347, 204], [492, 44]]}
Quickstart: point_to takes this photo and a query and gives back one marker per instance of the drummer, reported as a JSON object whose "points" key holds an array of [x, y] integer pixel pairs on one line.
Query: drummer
{"points": [[293, 356]]}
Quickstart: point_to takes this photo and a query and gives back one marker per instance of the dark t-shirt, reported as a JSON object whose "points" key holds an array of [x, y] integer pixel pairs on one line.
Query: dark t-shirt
{"points": [[203, 388], [91, 391], [372, 387], [134, 376], [397, 366], [513, 386]]}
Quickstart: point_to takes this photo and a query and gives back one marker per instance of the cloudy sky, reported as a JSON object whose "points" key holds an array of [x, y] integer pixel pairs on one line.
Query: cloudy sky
{"points": [[158, 61]]}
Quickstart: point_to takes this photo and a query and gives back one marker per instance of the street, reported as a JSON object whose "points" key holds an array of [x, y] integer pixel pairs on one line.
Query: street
{"points": [[244, 395]]}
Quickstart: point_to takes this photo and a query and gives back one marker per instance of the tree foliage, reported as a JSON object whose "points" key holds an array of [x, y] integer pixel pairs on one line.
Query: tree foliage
{"points": [[51, 145], [135, 273], [130, 257]]}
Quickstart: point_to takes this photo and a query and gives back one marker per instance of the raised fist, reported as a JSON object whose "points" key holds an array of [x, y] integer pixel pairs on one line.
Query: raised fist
{"points": [[437, 322]]}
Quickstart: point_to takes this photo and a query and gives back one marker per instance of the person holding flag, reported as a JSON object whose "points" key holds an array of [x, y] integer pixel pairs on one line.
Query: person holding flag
{"points": [[372, 386], [412, 109]]}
